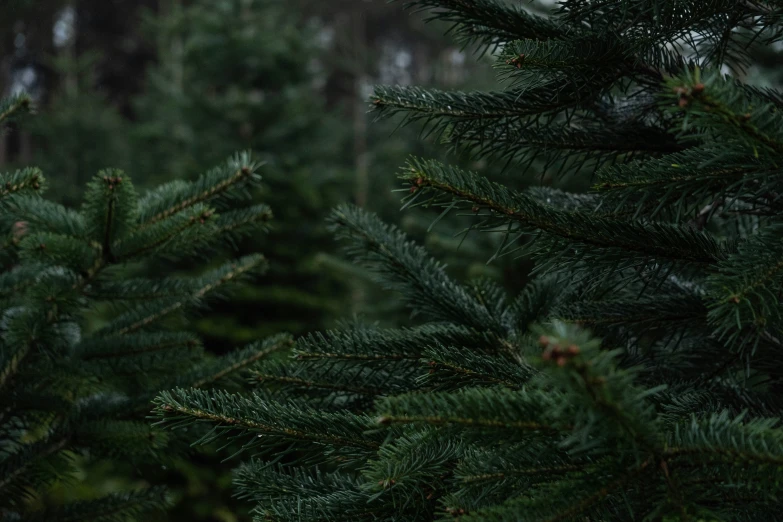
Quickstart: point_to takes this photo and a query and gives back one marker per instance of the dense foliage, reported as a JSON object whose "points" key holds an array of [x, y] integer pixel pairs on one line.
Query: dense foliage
{"points": [[497, 409], [86, 341]]}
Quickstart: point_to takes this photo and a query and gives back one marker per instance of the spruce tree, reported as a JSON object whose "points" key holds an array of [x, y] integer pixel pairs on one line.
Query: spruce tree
{"points": [[638, 376], [86, 342], [239, 75]]}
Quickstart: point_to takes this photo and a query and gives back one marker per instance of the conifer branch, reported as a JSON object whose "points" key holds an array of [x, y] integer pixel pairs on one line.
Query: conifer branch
{"points": [[18, 463], [29, 178], [169, 200], [715, 102], [10, 108], [114, 507], [586, 503], [11, 365], [659, 241], [488, 20], [235, 271], [224, 185], [404, 265], [257, 415], [246, 358], [263, 378]]}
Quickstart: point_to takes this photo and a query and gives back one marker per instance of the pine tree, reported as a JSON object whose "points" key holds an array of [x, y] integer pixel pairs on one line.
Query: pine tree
{"points": [[638, 376], [86, 343], [239, 75]]}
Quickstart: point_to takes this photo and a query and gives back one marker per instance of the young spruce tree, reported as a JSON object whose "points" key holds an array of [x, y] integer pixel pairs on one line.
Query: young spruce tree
{"points": [[497, 409], [86, 344]]}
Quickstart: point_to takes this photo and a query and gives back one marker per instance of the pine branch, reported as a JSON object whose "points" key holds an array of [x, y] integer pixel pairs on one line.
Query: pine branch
{"points": [[40, 215], [141, 318], [17, 478], [680, 183], [519, 411], [743, 290], [452, 368], [715, 106], [116, 507], [405, 266], [110, 209], [238, 174], [370, 345], [22, 181], [238, 361], [11, 108], [654, 241], [257, 415], [270, 486], [489, 21], [719, 437]]}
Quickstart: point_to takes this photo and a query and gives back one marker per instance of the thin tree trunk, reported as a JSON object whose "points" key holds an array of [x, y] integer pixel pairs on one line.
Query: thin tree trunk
{"points": [[361, 162], [359, 108]]}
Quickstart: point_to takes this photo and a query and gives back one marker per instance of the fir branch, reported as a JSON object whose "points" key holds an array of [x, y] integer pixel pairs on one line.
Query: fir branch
{"points": [[743, 289], [470, 408], [46, 248], [682, 182], [15, 467], [489, 21], [650, 241], [110, 208], [211, 283], [185, 230], [756, 442], [40, 215], [21, 181], [601, 400], [168, 200], [586, 503], [482, 110], [115, 507], [585, 58], [11, 108], [405, 266], [269, 485], [369, 345], [451, 367], [258, 415], [273, 376], [240, 360], [579, 144], [715, 102], [12, 361]]}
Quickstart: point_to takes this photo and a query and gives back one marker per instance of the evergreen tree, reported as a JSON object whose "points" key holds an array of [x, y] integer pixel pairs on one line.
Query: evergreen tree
{"points": [[76, 114], [497, 409], [238, 74], [86, 342]]}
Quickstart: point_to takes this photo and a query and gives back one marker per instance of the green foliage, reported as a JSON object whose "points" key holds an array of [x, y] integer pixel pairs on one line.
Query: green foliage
{"points": [[85, 343], [13, 107], [509, 409], [234, 75]]}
